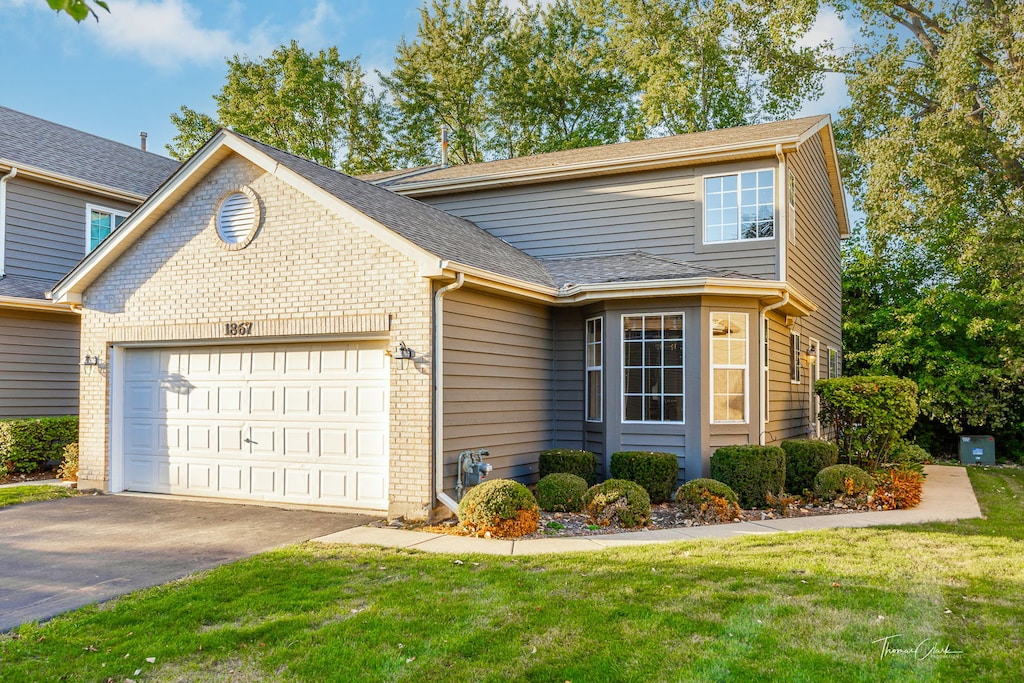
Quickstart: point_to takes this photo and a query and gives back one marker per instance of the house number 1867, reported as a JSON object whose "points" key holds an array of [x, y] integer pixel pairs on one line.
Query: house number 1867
{"points": [[237, 329]]}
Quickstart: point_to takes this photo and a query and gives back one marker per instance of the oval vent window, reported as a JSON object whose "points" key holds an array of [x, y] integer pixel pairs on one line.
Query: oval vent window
{"points": [[236, 218]]}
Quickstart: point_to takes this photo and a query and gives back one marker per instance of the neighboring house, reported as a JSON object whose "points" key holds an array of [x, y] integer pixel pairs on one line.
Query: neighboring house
{"points": [[272, 329], [61, 192]]}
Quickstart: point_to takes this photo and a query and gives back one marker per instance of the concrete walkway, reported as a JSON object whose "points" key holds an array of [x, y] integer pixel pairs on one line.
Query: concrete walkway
{"points": [[37, 482], [947, 496]]}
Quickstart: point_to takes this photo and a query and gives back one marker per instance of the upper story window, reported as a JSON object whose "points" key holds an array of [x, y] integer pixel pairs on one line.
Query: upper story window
{"points": [[653, 367], [739, 206], [100, 222]]}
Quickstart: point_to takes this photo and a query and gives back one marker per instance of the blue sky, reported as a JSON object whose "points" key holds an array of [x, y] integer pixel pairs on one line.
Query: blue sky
{"points": [[132, 69]]}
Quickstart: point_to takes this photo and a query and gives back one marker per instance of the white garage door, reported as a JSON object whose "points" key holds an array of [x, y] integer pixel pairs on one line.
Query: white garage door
{"points": [[295, 423]]}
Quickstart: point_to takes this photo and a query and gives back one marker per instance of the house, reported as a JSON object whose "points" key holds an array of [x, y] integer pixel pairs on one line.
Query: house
{"points": [[270, 329], [61, 192]]}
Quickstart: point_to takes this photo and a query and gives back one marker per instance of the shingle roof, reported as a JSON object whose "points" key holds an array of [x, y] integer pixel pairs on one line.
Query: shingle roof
{"points": [[58, 149], [633, 267], [24, 287], [691, 142], [433, 230]]}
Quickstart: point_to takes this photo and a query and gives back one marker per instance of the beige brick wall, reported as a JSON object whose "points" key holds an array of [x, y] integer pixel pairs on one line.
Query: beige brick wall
{"points": [[306, 273]]}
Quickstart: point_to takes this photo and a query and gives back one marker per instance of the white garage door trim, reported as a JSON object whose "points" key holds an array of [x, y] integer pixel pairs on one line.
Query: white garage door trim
{"points": [[345, 477]]}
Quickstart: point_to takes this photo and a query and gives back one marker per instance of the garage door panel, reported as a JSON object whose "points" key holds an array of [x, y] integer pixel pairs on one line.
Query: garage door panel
{"points": [[289, 423]]}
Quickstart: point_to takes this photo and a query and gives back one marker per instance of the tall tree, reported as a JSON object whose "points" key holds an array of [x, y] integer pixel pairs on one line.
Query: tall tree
{"points": [[314, 105], [932, 144], [704, 64]]}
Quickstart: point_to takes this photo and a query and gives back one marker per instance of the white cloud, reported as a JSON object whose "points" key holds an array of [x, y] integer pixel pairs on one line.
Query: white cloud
{"points": [[314, 29], [829, 26], [167, 33]]}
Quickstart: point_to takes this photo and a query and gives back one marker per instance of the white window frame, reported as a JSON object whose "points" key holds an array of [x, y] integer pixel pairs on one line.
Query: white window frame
{"points": [[795, 352], [745, 366], [682, 341], [792, 187], [833, 362], [739, 191], [814, 374], [89, 208], [598, 368]]}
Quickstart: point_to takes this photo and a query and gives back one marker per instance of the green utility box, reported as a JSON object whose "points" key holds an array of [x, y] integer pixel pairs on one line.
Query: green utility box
{"points": [[977, 450]]}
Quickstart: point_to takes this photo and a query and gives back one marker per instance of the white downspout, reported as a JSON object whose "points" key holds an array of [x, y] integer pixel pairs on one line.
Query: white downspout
{"points": [[3, 217], [782, 201], [762, 316], [438, 374]]}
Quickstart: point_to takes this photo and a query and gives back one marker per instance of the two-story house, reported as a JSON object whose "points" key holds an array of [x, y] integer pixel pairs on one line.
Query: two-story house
{"points": [[272, 329], [61, 192]]}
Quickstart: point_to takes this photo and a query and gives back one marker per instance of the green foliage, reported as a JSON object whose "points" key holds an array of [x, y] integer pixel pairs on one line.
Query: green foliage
{"points": [[561, 492], [804, 459], [909, 455], [868, 415], [28, 444], [695, 490], [707, 501], [751, 471], [501, 506], [316, 106], [656, 472], [581, 463], [68, 470], [838, 481], [78, 10], [14, 495], [617, 501]]}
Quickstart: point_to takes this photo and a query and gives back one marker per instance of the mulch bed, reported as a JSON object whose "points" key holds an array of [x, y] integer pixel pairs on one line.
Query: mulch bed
{"points": [[29, 478]]}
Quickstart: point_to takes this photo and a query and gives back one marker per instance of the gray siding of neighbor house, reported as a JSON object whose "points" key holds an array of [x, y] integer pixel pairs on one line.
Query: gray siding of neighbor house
{"points": [[46, 228], [658, 212], [498, 383], [813, 267], [38, 364]]}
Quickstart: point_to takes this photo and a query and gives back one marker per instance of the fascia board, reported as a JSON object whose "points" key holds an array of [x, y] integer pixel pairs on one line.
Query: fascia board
{"points": [[34, 305], [36, 173]]}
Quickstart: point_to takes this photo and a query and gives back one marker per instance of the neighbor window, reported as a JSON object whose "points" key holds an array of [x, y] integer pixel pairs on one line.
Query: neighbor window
{"points": [[595, 368], [100, 223], [652, 374], [729, 367], [794, 357], [833, 362], [740, 206]]}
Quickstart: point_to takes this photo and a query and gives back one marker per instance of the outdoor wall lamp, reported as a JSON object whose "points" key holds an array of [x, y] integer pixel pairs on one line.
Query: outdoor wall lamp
{"points": [[812, 358], [403, 352], [90, 362]]}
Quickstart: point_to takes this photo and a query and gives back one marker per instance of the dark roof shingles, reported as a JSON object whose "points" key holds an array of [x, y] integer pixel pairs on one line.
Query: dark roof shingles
{"points": [[634, 267], [19, 287]]}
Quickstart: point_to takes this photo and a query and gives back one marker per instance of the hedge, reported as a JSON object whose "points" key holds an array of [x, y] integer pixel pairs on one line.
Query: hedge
{"points": [[751, 471], [26, 445], [581, 463], [804, 459], [656, 472], [561, 492]]}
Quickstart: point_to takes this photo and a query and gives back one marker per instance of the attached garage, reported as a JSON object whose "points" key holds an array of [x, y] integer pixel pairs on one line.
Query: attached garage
{"points": [[290, 423]]}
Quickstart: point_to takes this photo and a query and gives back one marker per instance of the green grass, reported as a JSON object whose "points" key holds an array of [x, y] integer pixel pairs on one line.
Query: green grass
{"points": [[29, 494], [799, 607]]}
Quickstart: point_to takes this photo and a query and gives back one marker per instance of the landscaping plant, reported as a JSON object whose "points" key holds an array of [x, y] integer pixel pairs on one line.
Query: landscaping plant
{"points": [[840, 481], [26, 445], [707, 501], [500, 507], [618, 501], [898, 488], [581, 463], [561, 492], [804, 459], [656, 472], [751, 471], [68, 470]]}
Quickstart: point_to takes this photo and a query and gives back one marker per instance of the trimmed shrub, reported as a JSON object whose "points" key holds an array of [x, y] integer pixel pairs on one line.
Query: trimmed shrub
{"points": [[656, 472], [561, 492], [501, 507], [617, 501], [804, 459], [751, 471], [842, 480], [707, 501], [68, 470], [868, 415], [909, 455], [581, 463], [898, 488], [26, 445]]}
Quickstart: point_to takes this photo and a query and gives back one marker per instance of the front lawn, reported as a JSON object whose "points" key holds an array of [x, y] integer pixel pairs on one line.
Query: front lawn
{"points": [[946, 599], [12, 495]]}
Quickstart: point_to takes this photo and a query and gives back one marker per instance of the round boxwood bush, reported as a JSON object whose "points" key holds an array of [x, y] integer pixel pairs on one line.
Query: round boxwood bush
{"points": [[617, 501], [501, 507], [707, 501], [842, 480], [751, 471], [909, 455], [804, 459], [561, 492], [656, 472], [581, 463]]}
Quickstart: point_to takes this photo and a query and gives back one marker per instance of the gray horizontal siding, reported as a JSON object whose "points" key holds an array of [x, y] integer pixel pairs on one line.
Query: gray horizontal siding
{"points": [[38, 364], [654, 211], [569, 378], [661, 438], [46, 228], [498, 379]]}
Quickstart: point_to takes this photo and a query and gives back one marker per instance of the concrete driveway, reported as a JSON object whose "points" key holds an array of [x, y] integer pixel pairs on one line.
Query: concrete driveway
{"points": [[62, 554]]}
